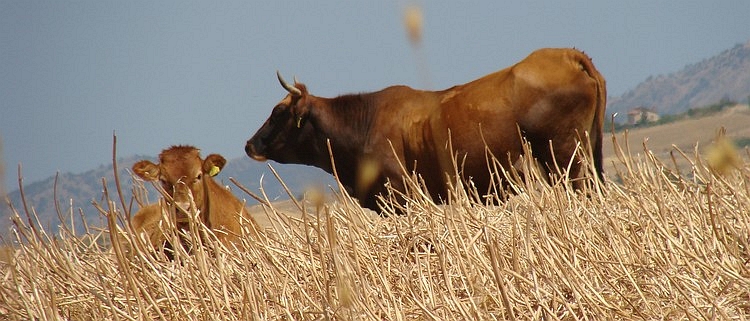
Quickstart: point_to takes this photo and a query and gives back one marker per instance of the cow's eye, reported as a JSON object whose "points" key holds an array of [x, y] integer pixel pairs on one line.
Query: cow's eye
{"points": [[199, 176]]}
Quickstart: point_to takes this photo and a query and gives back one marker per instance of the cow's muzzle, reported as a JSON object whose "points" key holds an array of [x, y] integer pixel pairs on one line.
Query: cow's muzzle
{"points": [[252, 152]]}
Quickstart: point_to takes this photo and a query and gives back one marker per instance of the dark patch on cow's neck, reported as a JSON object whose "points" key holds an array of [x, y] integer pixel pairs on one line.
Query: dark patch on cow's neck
{"points": [[357, 109], [348, 121]]}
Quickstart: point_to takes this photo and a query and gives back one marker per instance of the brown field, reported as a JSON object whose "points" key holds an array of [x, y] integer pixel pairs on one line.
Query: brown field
{"points": [[685, 135], [658, 245]]}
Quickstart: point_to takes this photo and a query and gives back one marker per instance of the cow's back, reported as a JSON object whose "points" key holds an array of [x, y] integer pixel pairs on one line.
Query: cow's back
{"points": [[552, 95], [563, 97], [405, 135]]}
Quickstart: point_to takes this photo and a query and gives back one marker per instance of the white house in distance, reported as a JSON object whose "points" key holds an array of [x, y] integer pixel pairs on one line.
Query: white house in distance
{"points": [[641, 114]]}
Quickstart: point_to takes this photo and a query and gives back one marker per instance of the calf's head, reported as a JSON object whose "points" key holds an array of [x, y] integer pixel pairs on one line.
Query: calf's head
{"points": [[182, 173]]}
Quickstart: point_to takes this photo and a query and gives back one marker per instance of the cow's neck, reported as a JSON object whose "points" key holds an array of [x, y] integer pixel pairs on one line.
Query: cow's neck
{"points": [[346, 122], [206, 208]]}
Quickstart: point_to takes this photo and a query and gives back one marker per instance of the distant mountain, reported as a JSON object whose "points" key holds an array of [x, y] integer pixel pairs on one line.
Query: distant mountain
{"points": [[725, 76], [78, 191]]}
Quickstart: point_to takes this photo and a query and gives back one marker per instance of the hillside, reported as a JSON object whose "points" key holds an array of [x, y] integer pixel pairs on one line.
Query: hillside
{"points": [[684, 134], [725, 76]]}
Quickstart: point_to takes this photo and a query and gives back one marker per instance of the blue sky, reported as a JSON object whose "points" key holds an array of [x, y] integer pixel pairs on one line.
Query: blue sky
{"points": [[160, 73]]}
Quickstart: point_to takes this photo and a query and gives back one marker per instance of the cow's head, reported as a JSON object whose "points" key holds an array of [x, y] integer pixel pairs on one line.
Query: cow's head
{"points": [[182, 172], [289, 134]]}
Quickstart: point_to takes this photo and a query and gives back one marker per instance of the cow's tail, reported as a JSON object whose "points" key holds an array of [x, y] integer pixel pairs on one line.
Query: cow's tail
{"points": [[596, 132]]}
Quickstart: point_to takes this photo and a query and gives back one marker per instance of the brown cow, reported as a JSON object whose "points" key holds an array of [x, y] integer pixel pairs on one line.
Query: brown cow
{"points": [[552, 95], [188, 180]]}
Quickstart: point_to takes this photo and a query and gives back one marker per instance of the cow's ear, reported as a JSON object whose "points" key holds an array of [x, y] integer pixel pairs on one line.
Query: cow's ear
{"points": [[146, 170], [302, 110], [213, 164]]}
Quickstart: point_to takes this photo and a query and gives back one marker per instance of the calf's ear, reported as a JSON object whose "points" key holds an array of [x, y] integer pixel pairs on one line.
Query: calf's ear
{"points": [[146, 170], [213, 164]]}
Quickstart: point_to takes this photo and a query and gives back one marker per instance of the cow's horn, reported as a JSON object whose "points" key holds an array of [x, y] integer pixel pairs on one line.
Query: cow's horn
{"points": [[291, 89]]}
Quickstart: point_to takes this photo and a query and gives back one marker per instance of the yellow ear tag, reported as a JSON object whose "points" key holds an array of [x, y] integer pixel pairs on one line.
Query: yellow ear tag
{"points": [[214, 171]]}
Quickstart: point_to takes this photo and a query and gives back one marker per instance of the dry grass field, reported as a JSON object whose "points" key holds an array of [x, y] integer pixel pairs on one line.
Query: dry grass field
{"points": [[665, 237], [658, 244]]}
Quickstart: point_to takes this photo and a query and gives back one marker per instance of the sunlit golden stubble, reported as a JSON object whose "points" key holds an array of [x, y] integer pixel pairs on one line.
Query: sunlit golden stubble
{"points": [[315, 195], [413, 22], [722, 155], [414, 25], [368, 172]]}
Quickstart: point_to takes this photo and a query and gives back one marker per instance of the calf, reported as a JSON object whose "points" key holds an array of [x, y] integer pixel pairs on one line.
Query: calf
{"points": [[188, 180]]}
